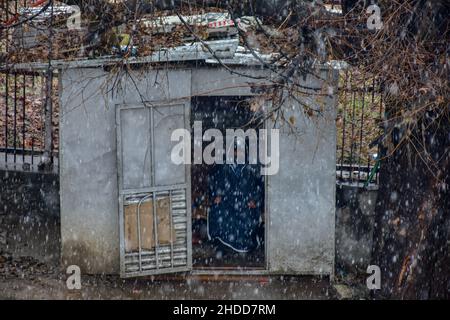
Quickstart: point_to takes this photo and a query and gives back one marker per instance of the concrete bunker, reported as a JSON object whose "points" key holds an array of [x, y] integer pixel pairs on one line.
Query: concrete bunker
{"points": [[116, 174]]}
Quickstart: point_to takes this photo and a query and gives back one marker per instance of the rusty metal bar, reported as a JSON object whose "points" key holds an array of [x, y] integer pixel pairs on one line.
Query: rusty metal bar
{"points": [[32, 150], [48, 120], [6, 116], [15, 118], [352, 131], [361, 127], [369, 161], [344, 115], [23, 116], [381, 117]]}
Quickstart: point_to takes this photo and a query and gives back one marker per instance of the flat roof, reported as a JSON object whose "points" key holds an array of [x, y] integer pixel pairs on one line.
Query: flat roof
{"points": [[227, 51], [224, 51]]}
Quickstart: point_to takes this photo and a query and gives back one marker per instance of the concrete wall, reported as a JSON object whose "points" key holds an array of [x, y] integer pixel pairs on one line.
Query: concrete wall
{"points": [[302, 194], [301, 197], [89, 193], [29, 193], [29, 214], [355, 218]]}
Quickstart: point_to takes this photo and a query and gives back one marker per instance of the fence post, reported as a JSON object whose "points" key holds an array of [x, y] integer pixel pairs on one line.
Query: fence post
{"points": [[46, 161], [47, 158]]}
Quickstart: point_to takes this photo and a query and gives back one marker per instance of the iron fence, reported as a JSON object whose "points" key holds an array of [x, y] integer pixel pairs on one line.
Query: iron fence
{"points": [[23, 97], [359, 124], [27, 99]]}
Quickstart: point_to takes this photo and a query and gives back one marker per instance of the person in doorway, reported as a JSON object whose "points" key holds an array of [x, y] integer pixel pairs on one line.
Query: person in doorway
{"points": [[237, 195]]}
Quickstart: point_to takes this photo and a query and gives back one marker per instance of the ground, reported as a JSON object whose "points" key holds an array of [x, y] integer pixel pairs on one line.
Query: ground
{"points": [[29, 269], [51, 284]]}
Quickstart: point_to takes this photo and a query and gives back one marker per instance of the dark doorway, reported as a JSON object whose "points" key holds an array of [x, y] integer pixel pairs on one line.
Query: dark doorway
{"points": [[211, 245]]}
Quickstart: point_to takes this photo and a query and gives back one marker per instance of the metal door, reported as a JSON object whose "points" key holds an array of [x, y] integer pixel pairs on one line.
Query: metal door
{"points": [[154, 193]]}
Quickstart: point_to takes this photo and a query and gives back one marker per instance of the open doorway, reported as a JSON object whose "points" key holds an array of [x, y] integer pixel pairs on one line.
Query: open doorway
{"points": [[228, 211]]}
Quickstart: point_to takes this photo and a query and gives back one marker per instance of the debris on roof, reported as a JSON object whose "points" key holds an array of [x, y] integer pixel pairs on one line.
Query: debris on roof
{"points": [[207, 36], [42, 13]]}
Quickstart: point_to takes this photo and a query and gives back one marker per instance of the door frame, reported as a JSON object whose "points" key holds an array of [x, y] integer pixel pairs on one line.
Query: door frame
{"points": [[249, 271]]}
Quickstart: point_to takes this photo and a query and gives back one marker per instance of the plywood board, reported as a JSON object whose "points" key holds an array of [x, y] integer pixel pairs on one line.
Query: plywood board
{"points": [[146, 215]]}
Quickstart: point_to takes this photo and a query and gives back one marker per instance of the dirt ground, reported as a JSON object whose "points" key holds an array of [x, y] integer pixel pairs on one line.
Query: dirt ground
{"points": [[52, 285], [24, 277], [27, 278], [29, 269]]}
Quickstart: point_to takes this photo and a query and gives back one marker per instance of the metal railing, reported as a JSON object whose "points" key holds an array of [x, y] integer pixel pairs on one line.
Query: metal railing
{"points": [[23, 97], [359, 119], [29, 108]]}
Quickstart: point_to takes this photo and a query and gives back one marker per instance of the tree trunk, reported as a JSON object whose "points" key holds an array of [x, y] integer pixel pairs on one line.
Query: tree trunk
{"points": [[412, 231]]}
